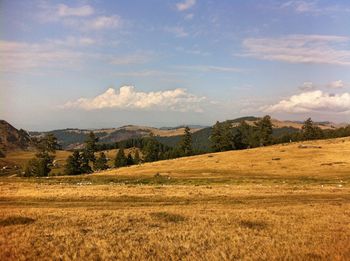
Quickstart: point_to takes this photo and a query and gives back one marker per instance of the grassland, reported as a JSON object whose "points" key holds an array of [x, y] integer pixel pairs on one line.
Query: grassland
{"points": [[273, 203]]}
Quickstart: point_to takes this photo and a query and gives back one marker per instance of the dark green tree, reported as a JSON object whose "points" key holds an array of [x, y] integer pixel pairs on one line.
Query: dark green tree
{"points": [[85, 162], [264, 130], [186, 142], [137, 158], [41, 165], [120, 159], [310, 131], [101, 162], [129, 160], [73, 164], [91, 146], [222, 136], [151, 150]]}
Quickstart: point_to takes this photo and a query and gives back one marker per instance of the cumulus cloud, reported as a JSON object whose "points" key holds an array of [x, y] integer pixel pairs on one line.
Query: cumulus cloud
{"points": [[319, 49], [129, 98], [187, 4], [312, 101], [64, 10], [336, 84]]}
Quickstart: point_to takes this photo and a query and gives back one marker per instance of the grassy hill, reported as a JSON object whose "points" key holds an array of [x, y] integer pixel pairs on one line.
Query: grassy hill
{"points": [[283, 202], [324, 158]]}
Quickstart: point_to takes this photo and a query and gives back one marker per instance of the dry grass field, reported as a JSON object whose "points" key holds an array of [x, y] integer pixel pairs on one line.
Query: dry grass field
{"points": [[275, 203]]}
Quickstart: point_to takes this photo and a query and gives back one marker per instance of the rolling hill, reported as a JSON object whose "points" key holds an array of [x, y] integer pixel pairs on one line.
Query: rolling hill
{"points": [[322, 158]]}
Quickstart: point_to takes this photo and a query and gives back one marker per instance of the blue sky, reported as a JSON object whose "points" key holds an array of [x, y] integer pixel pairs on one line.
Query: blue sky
{"points": [[92, 64]]}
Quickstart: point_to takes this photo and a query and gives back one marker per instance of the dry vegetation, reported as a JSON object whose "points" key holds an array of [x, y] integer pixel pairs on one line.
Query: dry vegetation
{"points": [[274, 203]]}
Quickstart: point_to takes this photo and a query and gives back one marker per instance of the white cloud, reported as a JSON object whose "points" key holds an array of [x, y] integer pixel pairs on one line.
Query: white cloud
{"points": [[210, 68], [73, 41], [187, 4], [129, 98], [336, 84], [64, 10], [77, 17], [314, 7], [22, 56], [307, 86], [321, 49], [312, 101], [104, 22], [177, 31], [301, 6]]}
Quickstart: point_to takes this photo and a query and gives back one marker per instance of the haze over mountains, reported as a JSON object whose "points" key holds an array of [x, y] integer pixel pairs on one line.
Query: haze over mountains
{"points": [[73, 138]]}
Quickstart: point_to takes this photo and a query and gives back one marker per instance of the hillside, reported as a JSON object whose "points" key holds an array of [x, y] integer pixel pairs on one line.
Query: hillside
{"points": [[12, 138], [74, 138], [305, 159]]}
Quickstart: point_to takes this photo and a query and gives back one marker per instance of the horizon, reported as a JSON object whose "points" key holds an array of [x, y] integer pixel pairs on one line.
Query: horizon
{"points": [[90, 65], [167, 126]]}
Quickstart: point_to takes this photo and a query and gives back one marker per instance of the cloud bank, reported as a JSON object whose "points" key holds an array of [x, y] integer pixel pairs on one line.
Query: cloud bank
{"points": [[313, 101], [129, 98], [317, 49]]}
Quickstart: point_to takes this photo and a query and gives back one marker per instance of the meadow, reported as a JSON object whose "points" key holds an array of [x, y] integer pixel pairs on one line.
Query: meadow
{"points": [[284, 202]]}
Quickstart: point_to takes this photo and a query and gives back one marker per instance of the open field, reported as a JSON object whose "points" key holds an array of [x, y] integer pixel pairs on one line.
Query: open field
{"points": [[273, 203]]}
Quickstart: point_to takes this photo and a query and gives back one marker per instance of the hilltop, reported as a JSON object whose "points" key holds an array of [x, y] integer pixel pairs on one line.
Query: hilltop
{"points": [[307, 159], [12, 138]]}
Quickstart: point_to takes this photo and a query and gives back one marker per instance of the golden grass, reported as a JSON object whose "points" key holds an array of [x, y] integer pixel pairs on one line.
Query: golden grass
{"points": [[332, 159], [274, 212]]}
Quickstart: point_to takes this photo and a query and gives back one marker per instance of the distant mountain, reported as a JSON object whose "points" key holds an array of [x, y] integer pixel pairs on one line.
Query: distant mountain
{"points": [[74, 138], [201, 138], [12, 138]]}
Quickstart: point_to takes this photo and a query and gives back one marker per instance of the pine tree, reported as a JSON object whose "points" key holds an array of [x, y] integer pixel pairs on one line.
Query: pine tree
{"points": [[85, 162], [186, 142], [137, 159], [101, 162], [120, 159], [129, 160], [216, 135], [222, 136], [310, 131], [41, 165], [151, 150], [264, 130], [91, 146], [73, 164]]}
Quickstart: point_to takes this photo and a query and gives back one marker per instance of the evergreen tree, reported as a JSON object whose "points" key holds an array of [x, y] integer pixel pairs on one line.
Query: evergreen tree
{"points": [[91, 146], [186, 142], [41, 165], [85, 162], [222, 136], [137, 159], [264, 130], [120, 159], [2, 154], [73, 164], [151, 150], [215, 137], [310, 131], [101, 162], [129, 160]]}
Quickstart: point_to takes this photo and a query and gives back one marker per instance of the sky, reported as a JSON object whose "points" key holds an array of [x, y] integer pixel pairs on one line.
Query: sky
{"points": [[94, 64]]}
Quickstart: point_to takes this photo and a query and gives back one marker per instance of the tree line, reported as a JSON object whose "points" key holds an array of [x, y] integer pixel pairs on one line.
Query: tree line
{"points": [[224, 136]]}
